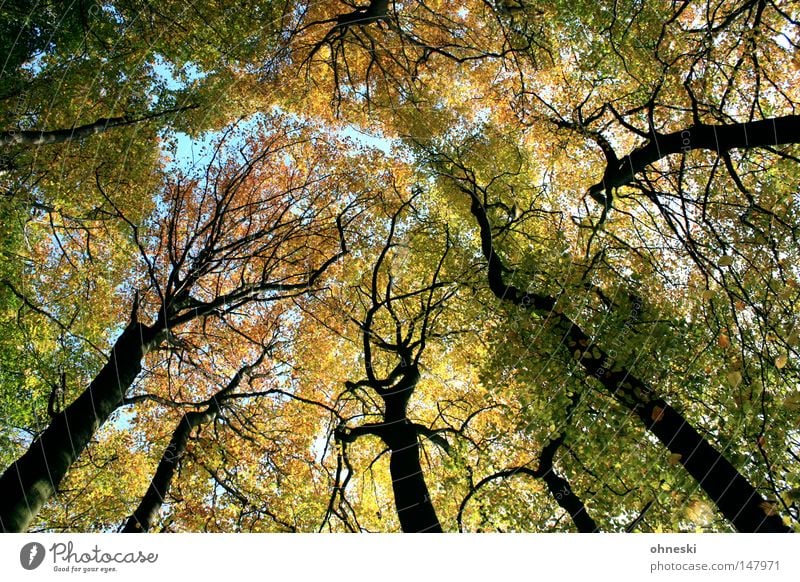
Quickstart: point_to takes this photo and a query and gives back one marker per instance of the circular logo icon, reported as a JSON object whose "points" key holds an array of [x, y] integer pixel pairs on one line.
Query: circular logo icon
{"points": [[31, 555]]}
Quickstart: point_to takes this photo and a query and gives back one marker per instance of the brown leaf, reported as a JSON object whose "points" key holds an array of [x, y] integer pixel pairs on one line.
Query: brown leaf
{"points": [[768, 507], [657, 413]]}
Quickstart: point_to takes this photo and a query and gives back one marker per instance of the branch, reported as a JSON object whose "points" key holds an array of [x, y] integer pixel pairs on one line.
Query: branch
{"points": [[718, 138], [37, 138]]}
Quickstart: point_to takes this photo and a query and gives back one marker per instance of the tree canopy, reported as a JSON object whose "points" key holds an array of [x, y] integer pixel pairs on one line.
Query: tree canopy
{"points": [[400, 266]]}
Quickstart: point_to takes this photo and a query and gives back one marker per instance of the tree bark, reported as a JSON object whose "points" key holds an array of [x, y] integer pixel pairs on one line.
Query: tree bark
{"points": [[36, 138], [33, 479], [377, 10], [718, 138], [561, 490], [411, 498], [146, 514], [734, 496]]}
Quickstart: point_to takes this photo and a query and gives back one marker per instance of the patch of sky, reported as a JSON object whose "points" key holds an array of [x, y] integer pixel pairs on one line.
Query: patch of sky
{"points": [[112, 11], [35, 63], [384, 144], [172, 77], [186, 153]]}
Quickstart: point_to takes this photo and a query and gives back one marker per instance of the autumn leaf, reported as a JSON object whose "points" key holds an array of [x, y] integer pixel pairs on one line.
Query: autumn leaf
{"points": [[768, 507], [725, 261], [734, 378]]}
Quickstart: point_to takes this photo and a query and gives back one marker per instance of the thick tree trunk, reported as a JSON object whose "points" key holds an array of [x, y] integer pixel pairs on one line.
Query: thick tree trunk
{"points": [[718, 138], [146, 514], [32, 480], [734, 496], [411, 498]]}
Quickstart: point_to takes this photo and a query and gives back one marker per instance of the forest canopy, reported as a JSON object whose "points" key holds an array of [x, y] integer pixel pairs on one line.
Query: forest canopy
{"points": [[380, 266]]}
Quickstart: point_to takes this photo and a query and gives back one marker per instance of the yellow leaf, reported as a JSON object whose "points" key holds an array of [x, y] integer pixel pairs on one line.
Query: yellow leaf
{"points": [[724, 341], [675, 458], [780, 361], [725, 261], [768, 507], [734, 378], [792, 402]]}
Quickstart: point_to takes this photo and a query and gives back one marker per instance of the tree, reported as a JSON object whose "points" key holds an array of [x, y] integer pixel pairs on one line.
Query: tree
{"points": [[734, 496], [409, 334], [597, 259], [240, 236], [557, 485], [144, 516]]}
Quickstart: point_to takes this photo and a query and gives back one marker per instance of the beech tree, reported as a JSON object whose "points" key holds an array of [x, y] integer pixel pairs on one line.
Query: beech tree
{"points": [[408, 335], [533, 267], [735, 497], [146, 513], [241, 235]]}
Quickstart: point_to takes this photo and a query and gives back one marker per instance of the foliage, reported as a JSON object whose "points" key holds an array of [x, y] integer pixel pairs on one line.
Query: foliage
{"points": [[372, 138]]}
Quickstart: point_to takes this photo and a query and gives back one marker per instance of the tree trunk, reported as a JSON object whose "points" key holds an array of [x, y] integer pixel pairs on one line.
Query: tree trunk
{"points": [[146, 513], [732, 493], [561, 490], [411, 498], [32, 479], [735, 497], [36, 138], [32, 138]]}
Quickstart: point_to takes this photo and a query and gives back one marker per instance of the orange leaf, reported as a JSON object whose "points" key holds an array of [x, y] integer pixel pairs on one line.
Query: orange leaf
{"points": [[657, 413], [768, 507]]}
